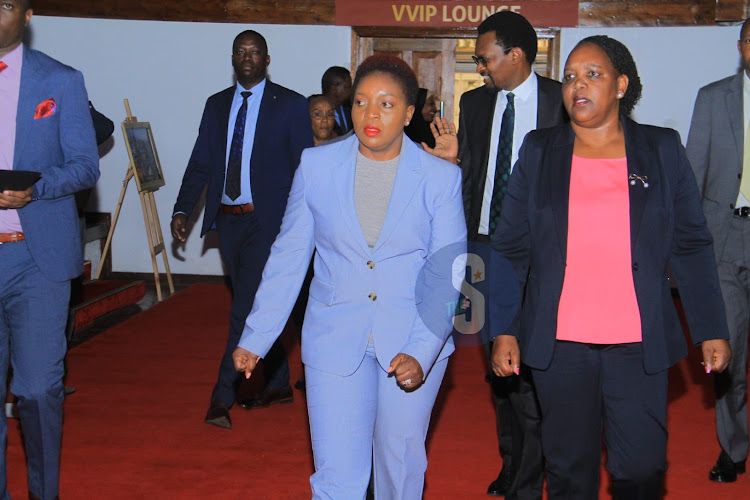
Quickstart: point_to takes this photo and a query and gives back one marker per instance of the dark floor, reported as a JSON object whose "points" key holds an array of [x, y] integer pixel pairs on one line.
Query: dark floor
{"points": [[149, 299]]}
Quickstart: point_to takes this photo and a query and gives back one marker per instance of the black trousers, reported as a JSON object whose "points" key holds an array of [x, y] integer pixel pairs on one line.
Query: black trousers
{"points": [[589, 389], [518, 423], [244, 252]]}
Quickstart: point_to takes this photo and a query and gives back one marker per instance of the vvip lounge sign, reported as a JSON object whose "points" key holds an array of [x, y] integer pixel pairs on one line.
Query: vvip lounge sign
{"points": [[452, 13]]}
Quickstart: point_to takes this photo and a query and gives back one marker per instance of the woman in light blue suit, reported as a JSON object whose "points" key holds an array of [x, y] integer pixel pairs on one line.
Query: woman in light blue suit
{"points": [[387, 222]]}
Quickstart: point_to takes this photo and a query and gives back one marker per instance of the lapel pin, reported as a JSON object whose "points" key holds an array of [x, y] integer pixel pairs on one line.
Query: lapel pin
{"points": [[636, 177]]}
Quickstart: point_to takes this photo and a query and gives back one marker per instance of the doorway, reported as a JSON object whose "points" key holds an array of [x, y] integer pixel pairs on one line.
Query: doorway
{"points": [[442, 60]]}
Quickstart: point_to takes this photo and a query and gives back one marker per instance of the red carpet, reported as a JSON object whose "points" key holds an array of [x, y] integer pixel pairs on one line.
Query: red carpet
{"points": [[134, 428]]}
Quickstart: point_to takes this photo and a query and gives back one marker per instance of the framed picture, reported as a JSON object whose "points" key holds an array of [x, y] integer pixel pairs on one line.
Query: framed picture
{"points": [[143, 156]]}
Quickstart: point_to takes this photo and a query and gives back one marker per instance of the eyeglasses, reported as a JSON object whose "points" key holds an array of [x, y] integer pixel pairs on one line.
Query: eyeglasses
{"points": [[484, 60], [318, 115]]}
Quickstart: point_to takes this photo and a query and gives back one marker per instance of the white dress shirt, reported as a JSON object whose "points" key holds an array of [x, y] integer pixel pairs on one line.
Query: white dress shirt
{"points": [[525, 102]]}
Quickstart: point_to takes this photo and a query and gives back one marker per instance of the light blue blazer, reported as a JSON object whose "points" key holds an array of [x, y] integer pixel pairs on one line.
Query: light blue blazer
{"points": [[357, 291], [62, 147]]}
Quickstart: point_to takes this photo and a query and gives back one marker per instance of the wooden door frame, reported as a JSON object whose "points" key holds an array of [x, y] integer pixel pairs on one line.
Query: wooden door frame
{"points": [[397, 32]]}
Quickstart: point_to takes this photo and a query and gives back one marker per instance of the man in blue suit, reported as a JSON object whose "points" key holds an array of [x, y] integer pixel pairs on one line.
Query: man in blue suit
{"points": [[249, 144], [45, 126]]}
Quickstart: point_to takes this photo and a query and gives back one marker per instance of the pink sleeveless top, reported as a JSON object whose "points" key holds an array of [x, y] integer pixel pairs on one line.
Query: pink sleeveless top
{"points": [[598, 303]]}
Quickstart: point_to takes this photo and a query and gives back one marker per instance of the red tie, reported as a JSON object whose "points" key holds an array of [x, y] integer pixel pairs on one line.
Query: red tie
{"points": [[2, 66]]}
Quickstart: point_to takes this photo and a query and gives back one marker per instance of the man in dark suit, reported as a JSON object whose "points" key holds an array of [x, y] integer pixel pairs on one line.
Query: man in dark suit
{"points": [[504, 54], [45, 126], [719, 152], [249, 144], [336, 84]]}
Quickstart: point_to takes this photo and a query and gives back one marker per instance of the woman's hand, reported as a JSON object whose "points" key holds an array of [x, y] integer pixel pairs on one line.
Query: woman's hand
{"points": [[506, 356], [407, 370], [244, 361], [446, 141], [716, 355]]}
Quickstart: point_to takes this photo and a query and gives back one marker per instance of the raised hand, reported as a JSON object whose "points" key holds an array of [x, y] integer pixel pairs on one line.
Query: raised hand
{"points": [[446, 140]]}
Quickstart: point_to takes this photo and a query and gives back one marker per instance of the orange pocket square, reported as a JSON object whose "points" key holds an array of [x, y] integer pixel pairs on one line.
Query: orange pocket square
{"points": [[45, 108]]}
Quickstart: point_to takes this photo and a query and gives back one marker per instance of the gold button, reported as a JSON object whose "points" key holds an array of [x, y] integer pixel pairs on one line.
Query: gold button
{"points": [[370, 264], [373, 297]]}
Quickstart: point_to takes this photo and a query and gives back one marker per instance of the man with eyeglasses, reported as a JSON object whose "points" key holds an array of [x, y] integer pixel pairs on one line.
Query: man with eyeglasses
{"points": [[493, 121], [718, 148], [249, 144]]}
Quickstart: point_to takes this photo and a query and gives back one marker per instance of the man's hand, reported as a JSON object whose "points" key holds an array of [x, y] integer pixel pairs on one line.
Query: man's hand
{"points": [[244, 361], [446, 141], [15, 199], [716, 355], [179, 231], [506, 357], [408, 371]]}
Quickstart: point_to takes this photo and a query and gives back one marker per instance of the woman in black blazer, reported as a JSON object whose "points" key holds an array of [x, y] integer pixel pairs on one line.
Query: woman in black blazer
{"points": [[598, 325]]}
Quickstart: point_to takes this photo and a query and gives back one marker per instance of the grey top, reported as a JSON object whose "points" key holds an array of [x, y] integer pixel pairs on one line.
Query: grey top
{"points": [[373, 185]]}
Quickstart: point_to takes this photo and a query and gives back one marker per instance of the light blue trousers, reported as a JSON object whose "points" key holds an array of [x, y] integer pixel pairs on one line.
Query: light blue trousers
{"points": [[365, 420]]}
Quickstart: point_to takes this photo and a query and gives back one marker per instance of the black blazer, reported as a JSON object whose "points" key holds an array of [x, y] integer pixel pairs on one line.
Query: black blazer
{"points": [[283, 130], [667, 227], [475, 129]]}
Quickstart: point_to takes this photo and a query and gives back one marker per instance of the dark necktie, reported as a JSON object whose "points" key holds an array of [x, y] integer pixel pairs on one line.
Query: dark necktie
{"points": [[234, 164], [344, 126], [502, 164]]}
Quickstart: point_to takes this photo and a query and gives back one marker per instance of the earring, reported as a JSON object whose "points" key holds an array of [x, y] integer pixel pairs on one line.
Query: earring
{"points": [[619, 95]]}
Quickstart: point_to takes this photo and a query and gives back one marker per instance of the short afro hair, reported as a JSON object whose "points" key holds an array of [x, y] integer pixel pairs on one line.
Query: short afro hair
{"points": [[623, 62], [256, 36], [393, 66], [512, 30], [745, 29], [332, 76]]}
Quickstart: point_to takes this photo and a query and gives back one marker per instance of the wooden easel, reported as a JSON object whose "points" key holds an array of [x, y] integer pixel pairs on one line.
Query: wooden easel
{"points": [[151, 219]]}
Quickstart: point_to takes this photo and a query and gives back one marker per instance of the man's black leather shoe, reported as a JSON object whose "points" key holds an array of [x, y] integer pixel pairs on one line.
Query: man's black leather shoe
{"points": [[725, 471], [499, 487], [269, 397], [218, 415]]}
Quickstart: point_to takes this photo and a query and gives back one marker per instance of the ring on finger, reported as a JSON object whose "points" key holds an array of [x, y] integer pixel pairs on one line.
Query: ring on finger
{"points": [[407, 382]]}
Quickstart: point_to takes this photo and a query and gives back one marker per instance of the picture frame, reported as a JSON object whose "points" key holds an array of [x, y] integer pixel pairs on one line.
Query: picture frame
{"points": [[139, 140]]}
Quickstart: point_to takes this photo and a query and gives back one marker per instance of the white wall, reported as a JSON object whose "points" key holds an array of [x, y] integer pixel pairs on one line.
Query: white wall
{"points": [[673, 64], [167, 70]]}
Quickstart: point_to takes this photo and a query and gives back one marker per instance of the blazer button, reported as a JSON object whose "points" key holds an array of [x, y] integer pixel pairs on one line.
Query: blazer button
{"points": [[635, 266], [373, 297], [370, 264]]}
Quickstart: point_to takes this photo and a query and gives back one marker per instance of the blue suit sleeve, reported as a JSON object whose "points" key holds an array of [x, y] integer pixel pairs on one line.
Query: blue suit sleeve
{"points": [[283, 274], [80, 168], [448, 228]]}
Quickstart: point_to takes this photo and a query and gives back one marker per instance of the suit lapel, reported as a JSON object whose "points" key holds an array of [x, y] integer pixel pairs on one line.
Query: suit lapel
{"points": [[343, 184], [28, 98], [558, 188], [407, 179], [735, 112], [640, 160], [544, 106]]}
